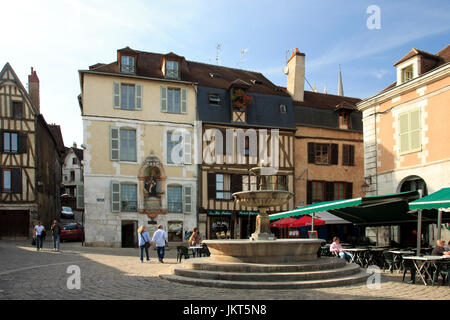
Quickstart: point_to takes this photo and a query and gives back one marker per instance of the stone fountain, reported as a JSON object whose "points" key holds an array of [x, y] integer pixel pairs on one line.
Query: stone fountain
{"points": [[264, 262]]}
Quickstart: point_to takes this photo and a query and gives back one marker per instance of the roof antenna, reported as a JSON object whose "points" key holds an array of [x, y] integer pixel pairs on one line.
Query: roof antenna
{"points": [[241, 59], [218, 47]]}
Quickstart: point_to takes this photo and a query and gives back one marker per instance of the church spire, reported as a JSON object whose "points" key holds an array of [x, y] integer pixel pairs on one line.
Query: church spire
{"points": [[340, 86]]}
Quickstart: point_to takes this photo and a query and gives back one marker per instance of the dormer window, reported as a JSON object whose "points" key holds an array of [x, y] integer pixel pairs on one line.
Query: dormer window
{"points": [[127, 64], [172, 69], [214, 99], [344, 120], [407, 74]]}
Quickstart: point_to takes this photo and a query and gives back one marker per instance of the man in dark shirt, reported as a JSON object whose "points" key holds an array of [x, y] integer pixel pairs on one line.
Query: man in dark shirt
{"points": [[56, 231], [439, 249]]}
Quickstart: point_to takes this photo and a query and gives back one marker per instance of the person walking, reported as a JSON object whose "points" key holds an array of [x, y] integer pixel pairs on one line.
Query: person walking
{"points": [[38, 229], [195, 240], [56, 233], [144, 242], [159, 239]]}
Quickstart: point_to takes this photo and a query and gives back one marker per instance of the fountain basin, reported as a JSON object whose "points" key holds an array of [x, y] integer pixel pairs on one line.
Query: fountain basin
{"points": [[262, 198], [264, 251]]}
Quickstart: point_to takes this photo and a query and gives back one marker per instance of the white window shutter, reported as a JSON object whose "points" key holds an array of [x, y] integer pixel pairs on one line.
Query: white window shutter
{"points": [[114, 143], [116, 94], [138, 96], [115, 196], [187, 151], [415, 133], [187, 197], [403, 120], [183, 100], [163, 99], [80, 196]]}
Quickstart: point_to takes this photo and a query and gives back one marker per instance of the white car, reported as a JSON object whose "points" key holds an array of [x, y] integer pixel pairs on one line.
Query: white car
{"points": [[67, 212]]}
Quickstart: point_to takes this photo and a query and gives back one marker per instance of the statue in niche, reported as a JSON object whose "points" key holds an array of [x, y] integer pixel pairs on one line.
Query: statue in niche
{"points": [[150, 183]]}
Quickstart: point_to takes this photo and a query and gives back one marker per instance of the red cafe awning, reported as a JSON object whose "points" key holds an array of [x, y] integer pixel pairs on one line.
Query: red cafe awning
{"points": [[285, 222], [306, 221]]}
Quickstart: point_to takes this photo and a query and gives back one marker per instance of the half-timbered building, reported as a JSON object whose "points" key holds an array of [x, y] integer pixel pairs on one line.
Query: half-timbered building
{"points": [[29, 159], [246, 122]]}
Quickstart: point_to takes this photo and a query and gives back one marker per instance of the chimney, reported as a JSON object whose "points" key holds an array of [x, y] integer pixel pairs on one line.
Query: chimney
{"points": [[296, 75], [33, 89]]}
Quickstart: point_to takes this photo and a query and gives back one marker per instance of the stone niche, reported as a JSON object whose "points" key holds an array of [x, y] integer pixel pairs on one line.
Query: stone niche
{"points": [[151, 185]]}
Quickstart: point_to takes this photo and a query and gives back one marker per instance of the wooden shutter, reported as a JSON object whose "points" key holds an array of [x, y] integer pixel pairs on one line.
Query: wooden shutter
{"points": [[329, 191], [16, 180], [163, 99], [22, 143], [414, 127], [351, 156], [311, 152], [116, 94], [183, 100], [349, 190], [138, 96], [187, 197], [211, 185], [114, 143], [115, 196], [80, 195], [334, 153], [236, 183], [309, 192], [403, 120], [187, 151]]}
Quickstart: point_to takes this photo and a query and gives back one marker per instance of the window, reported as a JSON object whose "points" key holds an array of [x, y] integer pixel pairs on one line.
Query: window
{"points": [[128, 197], [407, 74], [11, 180], [174, 199], [127, 145], [339, 190], [348, 155], [318, 191], [170, 146], [10, 142], [223, 186], [17, 109], [283, 108], [74, 160], [214, 99], [173, 102], [127, 64], [172, 69], [343, 120], [323, 153], [410, 131], [72, 175], [6, 180], [127, 96]]}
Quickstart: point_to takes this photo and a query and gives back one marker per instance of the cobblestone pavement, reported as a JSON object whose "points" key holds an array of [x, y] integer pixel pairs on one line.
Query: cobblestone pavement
{"points": [[109, 273]]}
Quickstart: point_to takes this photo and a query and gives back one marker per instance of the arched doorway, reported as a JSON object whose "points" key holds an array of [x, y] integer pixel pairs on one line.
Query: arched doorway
{"points": [[413, 183]]}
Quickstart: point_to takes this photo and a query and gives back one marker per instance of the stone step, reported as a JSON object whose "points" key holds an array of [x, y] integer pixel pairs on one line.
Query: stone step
{"points": [[209, 264], [348, 269], [322, 283]]}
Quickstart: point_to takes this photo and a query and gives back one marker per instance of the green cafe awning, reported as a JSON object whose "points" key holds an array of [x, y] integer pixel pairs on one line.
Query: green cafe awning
{"points": [[383, 209], [437, 200]]}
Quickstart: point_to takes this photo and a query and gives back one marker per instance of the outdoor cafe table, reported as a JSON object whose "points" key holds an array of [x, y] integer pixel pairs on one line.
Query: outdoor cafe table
{"points": [[425, 263], [375, 256], [358, 255], [397, 258]]}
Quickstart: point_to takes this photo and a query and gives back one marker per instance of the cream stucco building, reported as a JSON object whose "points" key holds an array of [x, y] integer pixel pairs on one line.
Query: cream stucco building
{"points": [[138, 126]]}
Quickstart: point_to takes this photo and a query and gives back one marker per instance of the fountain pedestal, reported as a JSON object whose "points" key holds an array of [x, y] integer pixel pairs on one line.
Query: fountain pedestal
{"points": [[262, 231]]}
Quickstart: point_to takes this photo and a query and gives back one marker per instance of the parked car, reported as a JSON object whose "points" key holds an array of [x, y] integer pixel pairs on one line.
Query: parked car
{"points": [[72, 231], [66, 212]]}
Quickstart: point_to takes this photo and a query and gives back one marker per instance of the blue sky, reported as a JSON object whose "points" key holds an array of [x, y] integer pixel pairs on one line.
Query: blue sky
{"points": [[60, 37]]}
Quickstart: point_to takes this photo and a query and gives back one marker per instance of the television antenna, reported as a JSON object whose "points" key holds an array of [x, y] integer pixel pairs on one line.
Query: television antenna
{"points": [[218, 47], [241, 59]]}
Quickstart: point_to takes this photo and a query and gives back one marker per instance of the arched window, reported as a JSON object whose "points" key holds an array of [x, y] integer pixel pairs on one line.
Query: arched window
{"points": [[413, 183]]}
